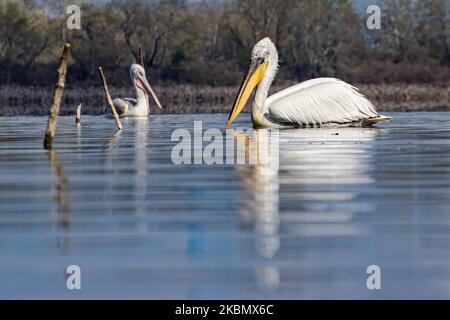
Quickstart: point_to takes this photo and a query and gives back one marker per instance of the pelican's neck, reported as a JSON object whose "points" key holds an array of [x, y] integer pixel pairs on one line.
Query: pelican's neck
{"points": [[259, 107], [141, 98]]}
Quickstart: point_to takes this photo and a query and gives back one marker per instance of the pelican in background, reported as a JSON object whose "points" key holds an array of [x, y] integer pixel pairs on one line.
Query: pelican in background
{"points": [[139, 107], [316, 102]]}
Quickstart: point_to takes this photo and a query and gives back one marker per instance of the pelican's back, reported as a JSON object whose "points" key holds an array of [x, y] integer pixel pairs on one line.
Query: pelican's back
{"points": [[320, 101], [122, 106]]}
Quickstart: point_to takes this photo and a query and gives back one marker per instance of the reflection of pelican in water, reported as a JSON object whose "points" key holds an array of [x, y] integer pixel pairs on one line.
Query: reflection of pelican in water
{"points": [[324, 171], [311, 103], [141, 125], [261, 208], [135, 161], [315, 167]]}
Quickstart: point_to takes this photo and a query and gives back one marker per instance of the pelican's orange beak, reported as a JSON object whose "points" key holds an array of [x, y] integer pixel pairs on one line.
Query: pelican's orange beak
{"points": [[145, 86], [254, 75]]}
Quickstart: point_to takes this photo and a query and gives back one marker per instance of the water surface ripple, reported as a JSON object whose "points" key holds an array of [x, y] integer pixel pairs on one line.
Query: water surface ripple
{"points": [[141, 227]]}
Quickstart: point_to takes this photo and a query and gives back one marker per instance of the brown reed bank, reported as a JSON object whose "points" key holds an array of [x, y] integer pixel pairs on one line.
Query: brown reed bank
{"points": [[21, 100]]}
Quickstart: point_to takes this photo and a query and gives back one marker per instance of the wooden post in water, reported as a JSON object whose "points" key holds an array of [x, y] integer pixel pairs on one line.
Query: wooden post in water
{"points": [[141, 57], [57, 96], [108, 97], [78, 116]]}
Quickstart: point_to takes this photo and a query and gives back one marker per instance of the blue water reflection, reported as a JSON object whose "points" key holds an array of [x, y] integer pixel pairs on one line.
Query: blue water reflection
{"points": [[301, 223]]}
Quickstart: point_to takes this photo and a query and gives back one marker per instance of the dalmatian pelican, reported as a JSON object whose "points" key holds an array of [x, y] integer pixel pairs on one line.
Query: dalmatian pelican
{"points": [[139, 107], [312, 103]]}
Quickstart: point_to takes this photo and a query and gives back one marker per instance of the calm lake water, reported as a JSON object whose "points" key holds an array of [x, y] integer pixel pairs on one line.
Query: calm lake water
{"points": [[140, 226]]}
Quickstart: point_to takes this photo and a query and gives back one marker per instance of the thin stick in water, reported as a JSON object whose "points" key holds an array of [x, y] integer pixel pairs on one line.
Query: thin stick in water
{"points": [[108, 98], [78, 117], [141, 57], [57, 96]]}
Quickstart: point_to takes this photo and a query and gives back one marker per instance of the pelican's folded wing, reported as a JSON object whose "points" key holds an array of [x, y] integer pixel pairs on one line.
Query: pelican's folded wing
{"points": [[319, 101], [122, 104], [132, 100]]}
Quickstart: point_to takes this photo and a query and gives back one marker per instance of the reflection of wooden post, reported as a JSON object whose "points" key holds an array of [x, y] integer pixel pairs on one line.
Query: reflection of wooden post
{"points": [[108, 97], [141, 57], [57, 96], [61, 186], [78, 117]]}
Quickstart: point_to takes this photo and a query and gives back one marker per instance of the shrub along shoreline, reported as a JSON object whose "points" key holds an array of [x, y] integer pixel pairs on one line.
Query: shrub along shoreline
{"points": [[35, 101]]}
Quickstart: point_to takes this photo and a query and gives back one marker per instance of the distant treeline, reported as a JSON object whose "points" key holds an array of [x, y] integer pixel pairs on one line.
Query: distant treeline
{"points": [[209, 42]]}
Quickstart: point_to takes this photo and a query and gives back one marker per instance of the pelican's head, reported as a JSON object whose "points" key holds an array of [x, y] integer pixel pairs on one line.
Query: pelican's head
{"points": [[264, 53], [137, 74]]}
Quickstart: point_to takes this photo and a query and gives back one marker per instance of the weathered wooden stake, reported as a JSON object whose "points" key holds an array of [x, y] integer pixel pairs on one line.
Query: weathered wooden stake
{"points": [[78, 117], [108, 97], [141, 57], [57, 96]]}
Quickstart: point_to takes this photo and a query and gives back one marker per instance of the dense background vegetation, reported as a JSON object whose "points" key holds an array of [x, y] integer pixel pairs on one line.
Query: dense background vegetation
{"points": [[209, 42]]}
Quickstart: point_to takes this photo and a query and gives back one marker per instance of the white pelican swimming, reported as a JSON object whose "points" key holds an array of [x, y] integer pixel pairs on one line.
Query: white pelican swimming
{"points": [[316, 102], [139, 107]]}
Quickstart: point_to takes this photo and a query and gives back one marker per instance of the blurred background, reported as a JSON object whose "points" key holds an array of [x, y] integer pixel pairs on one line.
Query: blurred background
{"points": [[196, 52]]}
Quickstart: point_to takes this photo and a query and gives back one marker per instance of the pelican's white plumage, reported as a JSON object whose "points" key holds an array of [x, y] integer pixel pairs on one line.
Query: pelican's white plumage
{"points": [[139, 107], [320, 101], [314, 102]]}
